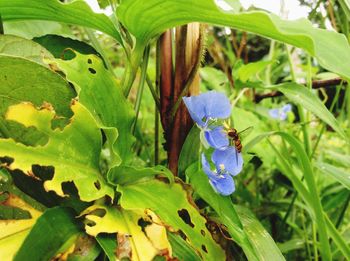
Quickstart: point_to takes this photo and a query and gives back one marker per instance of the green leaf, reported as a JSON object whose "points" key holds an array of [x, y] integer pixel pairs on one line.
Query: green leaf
{"points": [[307, 99], [99, 91], [263, 243], [147, 19], [126, 224], [125, 175], [24, 80], [190, 150], [181, 248], [108, 243], [312, 195], [339, 174], [77, 12], [85, 248], [73, 152], [57, 45], [248, 71], [225, 209], [36, 28], [17, 46], [171, 204], [53, 230]]}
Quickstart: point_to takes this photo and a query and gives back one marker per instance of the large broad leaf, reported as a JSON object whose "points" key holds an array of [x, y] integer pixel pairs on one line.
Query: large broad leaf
{"points": [[13, 229], [99, 92], [17, 46], [143, 243], [74, 152], [24, 80], [58, 44], [54, 232], [146, 19], [241, 233], [171, 204], [77, 12]]}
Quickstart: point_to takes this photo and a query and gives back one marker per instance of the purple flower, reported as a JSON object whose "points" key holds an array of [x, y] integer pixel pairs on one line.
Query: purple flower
{"points": [[221, 182], [208, 106], [205, 109], [280, 113], [227, 163]]}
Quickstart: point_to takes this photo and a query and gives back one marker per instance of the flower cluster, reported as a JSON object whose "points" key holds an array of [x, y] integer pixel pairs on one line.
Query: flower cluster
{"points": [[280, 113], [207, 110]]}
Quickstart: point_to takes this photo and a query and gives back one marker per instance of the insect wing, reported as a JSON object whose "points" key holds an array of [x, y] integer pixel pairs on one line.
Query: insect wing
{"points": [[245, 133]]}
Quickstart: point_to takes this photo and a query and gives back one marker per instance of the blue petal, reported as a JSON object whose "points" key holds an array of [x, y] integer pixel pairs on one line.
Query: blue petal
{"points": [[287, 108], [229, 159], [208, 105], [274, 113], [196, 109], [223, 185], [206, 168], [283, 116], [217, 138], [217, 105]]}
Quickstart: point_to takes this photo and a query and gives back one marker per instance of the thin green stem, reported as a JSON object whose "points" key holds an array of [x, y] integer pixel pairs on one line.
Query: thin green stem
{"points": [[314, 240], [268, 69], [131, 68], [141, 86], [153, 92], [301, 112], [343, 211], [336, 96], [305, 235]]}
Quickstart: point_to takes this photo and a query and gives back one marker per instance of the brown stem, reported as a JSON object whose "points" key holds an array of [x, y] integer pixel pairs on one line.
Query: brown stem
{"points": [[188, 56], [315, 85], [1, 26], [166, 77]]}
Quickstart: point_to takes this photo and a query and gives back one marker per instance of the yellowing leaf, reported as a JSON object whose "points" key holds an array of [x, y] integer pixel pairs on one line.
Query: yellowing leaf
{"points": [[171, 203], [125, 223], [13, 232], [73, 152]]}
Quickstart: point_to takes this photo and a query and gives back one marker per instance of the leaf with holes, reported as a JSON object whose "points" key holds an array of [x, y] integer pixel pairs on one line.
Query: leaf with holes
{"points": [[14, 228], [24, 80], [74, 151], [171, 203], [147, 19], [140, 243], [77, 12], [99, 91]]}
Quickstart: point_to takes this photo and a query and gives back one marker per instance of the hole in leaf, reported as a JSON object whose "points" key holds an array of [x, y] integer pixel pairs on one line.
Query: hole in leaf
{"points": [[203, 232], [204, 249], [43, 172], [91, 70], [185, 216], [89, 61], [6, 160], [97, 185]]}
